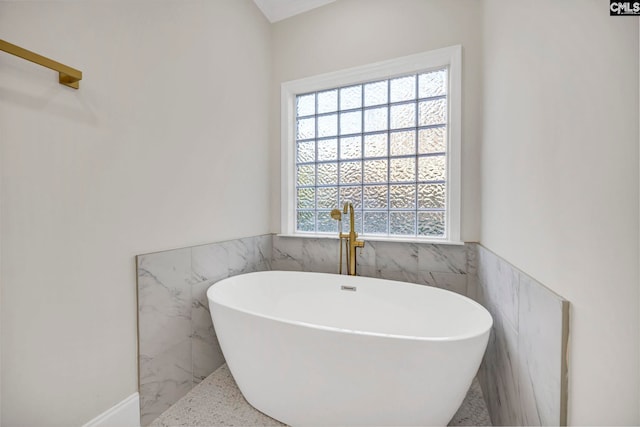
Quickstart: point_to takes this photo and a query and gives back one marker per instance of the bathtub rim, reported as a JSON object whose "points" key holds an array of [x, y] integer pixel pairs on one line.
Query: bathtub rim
{"points": [[460, 337]]}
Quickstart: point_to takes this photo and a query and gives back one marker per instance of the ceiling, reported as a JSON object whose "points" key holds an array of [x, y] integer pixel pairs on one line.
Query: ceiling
{"points": [[277, 10]]}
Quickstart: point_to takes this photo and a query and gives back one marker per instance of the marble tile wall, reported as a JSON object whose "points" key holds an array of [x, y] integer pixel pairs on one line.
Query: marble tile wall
{"points": [[443, 266], [524, 371], [177, 343]]}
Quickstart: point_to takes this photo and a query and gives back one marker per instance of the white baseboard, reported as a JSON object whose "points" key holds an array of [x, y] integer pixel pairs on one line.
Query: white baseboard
{"points": [[123, 414]]}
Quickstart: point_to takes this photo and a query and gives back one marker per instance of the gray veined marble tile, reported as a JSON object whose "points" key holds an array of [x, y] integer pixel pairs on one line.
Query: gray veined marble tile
{"points": [[487, 273], [392, 256], [472, 258], [287, 253], [367, 271], [259, 252], [250, 250], [523, 372], [320, 252], [241, 254], [218, 261], [540, 342], [164, 379], [453, 282], [500, 286], [442, 258], [264, 246], [164, 300], [499, 372], [201, 324], [207, 357], [499, 375], [508, 289], [206, 353], [472, 287], [472, 271], [399, 275], [286, 265], [366, 257], [210, 262], [487, 266], [487, 366]]}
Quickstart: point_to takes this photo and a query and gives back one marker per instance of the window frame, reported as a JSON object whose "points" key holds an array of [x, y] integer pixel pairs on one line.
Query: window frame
{"points": [[450, 57]]}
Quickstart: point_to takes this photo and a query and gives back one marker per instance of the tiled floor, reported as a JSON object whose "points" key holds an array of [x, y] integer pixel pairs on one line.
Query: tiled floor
{"points": [[216, 401]]}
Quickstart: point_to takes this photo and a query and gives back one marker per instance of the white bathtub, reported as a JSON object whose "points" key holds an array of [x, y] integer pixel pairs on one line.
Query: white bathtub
{"points": [[305, 351]]}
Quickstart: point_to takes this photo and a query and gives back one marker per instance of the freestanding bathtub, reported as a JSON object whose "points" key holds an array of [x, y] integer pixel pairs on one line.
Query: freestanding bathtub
{"points": [[330, 350]]}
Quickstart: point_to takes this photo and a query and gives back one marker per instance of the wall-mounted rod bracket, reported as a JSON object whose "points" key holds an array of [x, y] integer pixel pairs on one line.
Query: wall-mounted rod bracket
{"points": [[66, 75]]}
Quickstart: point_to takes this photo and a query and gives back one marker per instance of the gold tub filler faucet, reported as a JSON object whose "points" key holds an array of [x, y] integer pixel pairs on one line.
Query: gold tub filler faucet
{"points": [[351, 238]]}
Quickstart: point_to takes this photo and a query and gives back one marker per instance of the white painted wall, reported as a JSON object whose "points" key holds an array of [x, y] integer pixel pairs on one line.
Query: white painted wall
{"points": [[560, 181], [350, 33], [165, 145]]}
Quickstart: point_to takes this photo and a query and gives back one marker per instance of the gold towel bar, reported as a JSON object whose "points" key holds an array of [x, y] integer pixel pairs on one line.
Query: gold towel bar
{"points": [[67, 76]]}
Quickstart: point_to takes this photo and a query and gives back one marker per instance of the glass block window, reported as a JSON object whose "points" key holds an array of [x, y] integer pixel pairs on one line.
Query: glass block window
{"points": [[381, 145]]}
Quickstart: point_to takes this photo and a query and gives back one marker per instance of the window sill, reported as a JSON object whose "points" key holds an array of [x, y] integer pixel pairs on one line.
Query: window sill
{"points": [[377, 238]]}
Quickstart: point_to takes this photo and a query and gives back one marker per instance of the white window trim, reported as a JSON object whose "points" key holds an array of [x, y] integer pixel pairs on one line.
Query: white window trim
{"points": [[448, 56]]}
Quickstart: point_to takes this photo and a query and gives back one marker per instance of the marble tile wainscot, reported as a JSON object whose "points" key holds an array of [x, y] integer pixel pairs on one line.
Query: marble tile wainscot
{"points": [[524, 371], [177, 343], [442, 266]]}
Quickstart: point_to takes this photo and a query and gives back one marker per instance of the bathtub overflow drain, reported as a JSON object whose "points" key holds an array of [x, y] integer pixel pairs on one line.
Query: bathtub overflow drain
{"points": [[348, 288]]}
